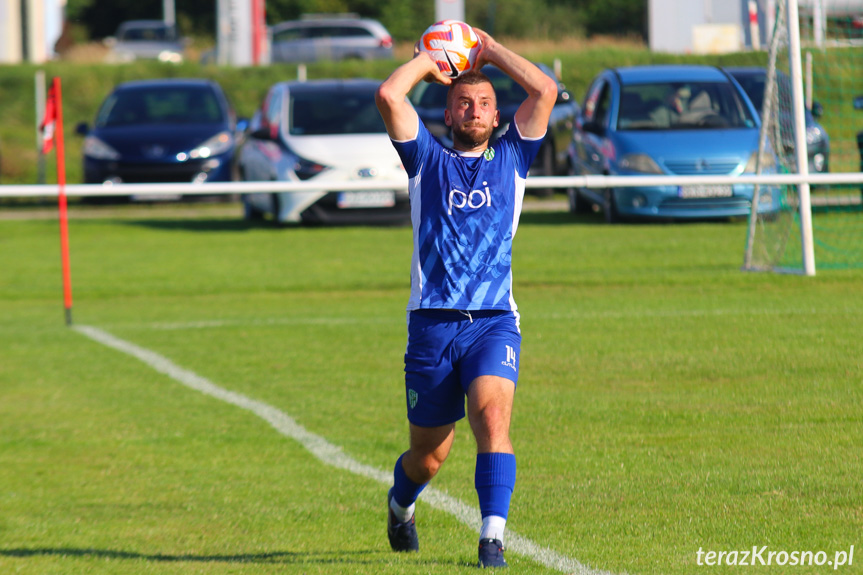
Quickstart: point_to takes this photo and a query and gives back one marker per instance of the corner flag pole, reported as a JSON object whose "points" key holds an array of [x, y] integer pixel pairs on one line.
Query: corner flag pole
{"points": [[52, 133]]}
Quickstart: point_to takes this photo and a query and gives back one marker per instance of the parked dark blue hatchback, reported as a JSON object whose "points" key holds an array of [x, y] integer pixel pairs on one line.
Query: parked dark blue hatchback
{"points": [[174, 130]]}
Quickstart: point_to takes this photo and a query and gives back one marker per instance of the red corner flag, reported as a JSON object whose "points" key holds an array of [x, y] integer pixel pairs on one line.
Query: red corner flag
{"points": [[52, 133], [49, 121]]}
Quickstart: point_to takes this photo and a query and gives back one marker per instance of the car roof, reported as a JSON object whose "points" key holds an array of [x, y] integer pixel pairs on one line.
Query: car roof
{"points": [[745, 70], [144, 24], [331, 84], [669, 73], [313, 22], [164, 82]]}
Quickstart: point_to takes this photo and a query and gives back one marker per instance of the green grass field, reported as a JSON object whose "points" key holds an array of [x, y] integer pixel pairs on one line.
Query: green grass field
{"points": [[667, 402]]}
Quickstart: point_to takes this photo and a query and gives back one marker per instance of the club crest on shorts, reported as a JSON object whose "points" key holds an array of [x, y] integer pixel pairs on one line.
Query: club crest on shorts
{"points": [[412, 398]]}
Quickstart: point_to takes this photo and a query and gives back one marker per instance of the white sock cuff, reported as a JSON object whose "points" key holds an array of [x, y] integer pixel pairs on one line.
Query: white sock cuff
{"points": [[402, 513], [493, 527]]}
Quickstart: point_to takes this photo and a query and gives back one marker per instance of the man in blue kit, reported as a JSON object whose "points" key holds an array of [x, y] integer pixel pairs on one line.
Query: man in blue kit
{"points": [[463, 332]]}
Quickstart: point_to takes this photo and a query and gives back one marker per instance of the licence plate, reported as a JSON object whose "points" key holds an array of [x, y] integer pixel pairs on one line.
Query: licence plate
{"points": [[367, 199], [699, 191]]}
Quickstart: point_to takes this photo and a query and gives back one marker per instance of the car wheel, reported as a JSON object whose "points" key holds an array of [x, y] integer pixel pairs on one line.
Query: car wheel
{"points": [[577, 203], [574, 202], [251, 213], [276, 203], [609, 207], [546, 160]]}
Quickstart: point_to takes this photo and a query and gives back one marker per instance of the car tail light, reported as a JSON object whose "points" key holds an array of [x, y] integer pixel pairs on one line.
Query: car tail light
{"points": [[387, 42]]}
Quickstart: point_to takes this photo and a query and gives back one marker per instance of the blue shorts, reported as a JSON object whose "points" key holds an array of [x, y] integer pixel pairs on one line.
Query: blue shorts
{"points": [[447, 350]]}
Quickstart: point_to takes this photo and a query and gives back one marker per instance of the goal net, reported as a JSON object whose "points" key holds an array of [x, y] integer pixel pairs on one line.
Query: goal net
{"points": [[831, 57]]}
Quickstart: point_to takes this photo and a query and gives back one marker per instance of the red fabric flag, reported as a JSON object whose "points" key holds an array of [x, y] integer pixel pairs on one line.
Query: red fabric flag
{"points": [[47, 127]]}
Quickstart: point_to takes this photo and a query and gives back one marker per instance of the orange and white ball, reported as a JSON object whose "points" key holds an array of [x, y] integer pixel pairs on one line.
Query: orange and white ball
{"points": [[453, 45]]}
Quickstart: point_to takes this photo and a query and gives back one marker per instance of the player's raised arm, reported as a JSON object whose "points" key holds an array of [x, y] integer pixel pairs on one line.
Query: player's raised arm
{"points": [[399, 116], [532, 116]]}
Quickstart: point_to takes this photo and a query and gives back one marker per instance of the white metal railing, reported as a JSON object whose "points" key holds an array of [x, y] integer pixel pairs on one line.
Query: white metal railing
{"points": [[77, 190]]}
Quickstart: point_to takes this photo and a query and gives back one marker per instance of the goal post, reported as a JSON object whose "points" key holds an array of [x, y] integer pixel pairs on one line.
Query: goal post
{"points": [[808, 119]]}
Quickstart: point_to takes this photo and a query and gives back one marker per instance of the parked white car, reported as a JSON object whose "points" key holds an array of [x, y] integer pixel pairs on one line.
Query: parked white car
{"points": [[328, 131], [145, 40], [343, 38]]}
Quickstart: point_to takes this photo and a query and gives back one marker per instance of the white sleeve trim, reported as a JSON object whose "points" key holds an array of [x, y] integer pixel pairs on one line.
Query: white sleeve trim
{"points": [[417, 133], [525, 138]]}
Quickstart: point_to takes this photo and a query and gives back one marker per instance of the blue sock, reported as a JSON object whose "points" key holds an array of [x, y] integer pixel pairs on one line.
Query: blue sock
{"points": [[405, 491], [495, 481]]}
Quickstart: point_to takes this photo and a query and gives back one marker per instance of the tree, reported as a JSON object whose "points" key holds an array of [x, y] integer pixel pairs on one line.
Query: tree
{"points": [[405, 19]]}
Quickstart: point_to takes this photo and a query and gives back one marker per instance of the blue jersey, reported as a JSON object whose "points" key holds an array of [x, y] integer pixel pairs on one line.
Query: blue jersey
{"points": [[464, 210]]}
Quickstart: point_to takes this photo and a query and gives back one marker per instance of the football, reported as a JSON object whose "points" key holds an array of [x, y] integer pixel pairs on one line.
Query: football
{"points": [[453, 45]]}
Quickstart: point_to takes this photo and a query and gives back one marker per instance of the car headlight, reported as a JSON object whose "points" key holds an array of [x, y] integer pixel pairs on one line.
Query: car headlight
{"points": [[99, 150], [768, 162], [306, 169], [641, 163], [170, 57], [814, 134], [218, 144]]}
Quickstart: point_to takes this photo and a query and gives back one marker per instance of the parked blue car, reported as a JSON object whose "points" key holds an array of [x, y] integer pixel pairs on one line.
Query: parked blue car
{"points": [[171, 130], [753, 80], [668, 120]]}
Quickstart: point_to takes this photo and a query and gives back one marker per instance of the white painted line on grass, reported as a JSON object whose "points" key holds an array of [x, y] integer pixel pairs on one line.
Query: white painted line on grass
{"points": [[331, 454]]}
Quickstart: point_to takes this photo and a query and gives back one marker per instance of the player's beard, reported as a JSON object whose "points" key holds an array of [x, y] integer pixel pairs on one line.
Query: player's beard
{"points": [[471, 134]]}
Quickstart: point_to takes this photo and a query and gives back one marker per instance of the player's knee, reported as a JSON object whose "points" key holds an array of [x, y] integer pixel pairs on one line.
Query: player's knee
{"points": [[491, 419], [423, 468]]}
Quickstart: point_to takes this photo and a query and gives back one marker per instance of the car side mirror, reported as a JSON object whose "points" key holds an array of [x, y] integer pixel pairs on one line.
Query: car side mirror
{"points": [[82, 129], [594, 128], [242, 124], [817, 110], [262, 133]]}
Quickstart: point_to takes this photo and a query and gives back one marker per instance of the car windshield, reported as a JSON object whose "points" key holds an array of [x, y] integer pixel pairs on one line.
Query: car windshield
{"points": [[682, 106], [148, 34], [317, 113], [507, 90], [174, 105], [755, 84]]}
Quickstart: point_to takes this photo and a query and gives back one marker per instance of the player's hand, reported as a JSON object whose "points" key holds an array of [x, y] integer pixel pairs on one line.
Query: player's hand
{"points": [[487, 46], [434, 74]]}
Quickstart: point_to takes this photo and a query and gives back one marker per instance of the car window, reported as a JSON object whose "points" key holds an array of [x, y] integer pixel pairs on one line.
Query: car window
{"points": [[754, 88], [433, 95], [273, 111], [288, 35], [147, 34], [594, 108], [430, 95], [176, 105], [337, 112], [508, 91], [755, 84], [682, 106], [335, 31], [353, 32]]}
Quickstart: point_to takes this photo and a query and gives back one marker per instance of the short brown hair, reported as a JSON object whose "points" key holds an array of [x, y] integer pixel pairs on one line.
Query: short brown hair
{"points": [[469, 78]]}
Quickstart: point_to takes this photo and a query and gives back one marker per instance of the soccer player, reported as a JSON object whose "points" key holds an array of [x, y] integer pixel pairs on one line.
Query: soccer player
{"points": [[463, 327]]}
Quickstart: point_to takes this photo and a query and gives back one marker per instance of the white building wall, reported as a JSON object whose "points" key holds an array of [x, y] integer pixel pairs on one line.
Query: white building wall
{"points": [[43, 26], [11, 50], [670, 24], [673, 24]]}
